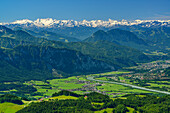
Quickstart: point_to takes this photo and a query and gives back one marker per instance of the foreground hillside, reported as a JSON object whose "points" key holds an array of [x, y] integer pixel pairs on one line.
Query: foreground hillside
{"points": [[65, 101]]}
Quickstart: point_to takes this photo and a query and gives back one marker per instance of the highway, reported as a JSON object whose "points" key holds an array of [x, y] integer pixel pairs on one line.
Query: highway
{"points": [[133, 86]]}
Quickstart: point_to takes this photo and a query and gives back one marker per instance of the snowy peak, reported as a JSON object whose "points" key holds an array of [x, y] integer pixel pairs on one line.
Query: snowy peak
{"points": [[49, 22]]}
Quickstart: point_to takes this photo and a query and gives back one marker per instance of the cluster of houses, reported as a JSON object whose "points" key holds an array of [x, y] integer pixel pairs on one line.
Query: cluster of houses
{"points": [[154, 65], [153, 71]]}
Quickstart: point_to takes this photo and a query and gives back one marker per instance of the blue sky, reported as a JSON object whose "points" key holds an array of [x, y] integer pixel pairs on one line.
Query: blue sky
{"points": [[11, 10]]}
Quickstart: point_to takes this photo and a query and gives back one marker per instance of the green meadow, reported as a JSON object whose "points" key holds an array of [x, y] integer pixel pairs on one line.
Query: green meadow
{"points": [[10, 107]]}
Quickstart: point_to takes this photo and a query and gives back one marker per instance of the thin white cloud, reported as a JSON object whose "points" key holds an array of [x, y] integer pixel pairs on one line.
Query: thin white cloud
{"points": [[165, 16]]}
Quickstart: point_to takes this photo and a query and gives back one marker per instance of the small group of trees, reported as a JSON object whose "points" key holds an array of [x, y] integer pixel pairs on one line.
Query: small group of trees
{"points": [[10, 98], [19, 87], [67, 93], [97, 97]]}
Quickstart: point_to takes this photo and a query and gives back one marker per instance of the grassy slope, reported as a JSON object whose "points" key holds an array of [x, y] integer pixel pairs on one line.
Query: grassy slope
{"points": [[63, 97], [109, 110], [10, 107]]}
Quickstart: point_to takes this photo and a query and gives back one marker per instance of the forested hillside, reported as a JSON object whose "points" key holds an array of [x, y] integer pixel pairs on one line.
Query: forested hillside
{"points": [[140, 103], [101, 50], [118, 36], [38, 62]]}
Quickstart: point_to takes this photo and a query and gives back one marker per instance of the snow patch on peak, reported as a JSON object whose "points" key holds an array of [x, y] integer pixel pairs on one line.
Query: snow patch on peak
{"points": [[44, 22], [24, 21]]}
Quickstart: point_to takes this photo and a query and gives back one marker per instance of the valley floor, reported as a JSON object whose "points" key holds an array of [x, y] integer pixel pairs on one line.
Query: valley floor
{"points": [[114, 84]]}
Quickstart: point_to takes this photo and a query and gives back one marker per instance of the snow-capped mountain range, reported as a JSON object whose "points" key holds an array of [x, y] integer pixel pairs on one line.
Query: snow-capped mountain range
{"points": [[49, 22]]}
